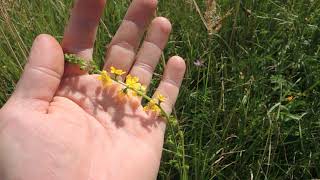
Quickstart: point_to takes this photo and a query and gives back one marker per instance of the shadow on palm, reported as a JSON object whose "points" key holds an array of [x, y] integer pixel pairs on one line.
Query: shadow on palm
{"points": [[87, 92]]}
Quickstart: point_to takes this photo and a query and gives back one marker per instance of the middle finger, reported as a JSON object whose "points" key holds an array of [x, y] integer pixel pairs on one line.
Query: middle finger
{"points": [[121, 50]]}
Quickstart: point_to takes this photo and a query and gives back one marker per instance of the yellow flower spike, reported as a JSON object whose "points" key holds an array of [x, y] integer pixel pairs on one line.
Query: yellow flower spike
{"points": [[105, 78], [161, 98], [116, 71]]}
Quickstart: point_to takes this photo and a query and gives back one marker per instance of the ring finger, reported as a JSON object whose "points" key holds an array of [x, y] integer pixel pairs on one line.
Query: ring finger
{"points": [[151, 50], [80, 33]]}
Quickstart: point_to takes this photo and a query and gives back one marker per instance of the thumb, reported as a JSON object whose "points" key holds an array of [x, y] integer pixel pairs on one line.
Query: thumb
{"points": [[43, 71]]}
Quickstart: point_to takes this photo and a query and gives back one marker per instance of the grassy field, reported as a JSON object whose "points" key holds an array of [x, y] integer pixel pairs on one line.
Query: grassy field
{"points": [[250, 112]]}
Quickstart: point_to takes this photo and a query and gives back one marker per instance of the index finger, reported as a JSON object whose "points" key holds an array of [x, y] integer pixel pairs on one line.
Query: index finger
{"points": [[80, 33]]}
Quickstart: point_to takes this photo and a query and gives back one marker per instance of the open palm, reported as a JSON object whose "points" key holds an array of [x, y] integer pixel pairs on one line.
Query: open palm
{"points": [[61, 124]]}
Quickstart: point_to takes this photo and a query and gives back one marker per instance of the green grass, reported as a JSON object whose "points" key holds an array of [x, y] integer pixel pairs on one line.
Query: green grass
{"points": [[234, 117]]}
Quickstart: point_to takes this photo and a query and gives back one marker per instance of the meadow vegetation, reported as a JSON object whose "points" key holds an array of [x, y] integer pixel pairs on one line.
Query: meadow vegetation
{"points": [[249, 105]]}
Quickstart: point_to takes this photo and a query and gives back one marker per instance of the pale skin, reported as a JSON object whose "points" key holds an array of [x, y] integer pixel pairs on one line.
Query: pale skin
{"points": [[61, 124]]}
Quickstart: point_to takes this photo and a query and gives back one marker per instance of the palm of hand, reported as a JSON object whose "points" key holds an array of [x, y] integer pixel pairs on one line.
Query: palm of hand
{"points": [[85, 131], [61, 124], [130, 139]]}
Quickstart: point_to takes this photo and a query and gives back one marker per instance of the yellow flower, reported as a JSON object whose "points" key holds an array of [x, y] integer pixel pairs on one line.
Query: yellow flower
{"points": [[105, 78], [155, 109], [290, 98], [161, 98], [116, 71], [152, 106], [133, 82]]}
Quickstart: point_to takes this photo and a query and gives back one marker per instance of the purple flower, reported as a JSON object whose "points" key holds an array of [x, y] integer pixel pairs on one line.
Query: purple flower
{"points": [[198, 63]]}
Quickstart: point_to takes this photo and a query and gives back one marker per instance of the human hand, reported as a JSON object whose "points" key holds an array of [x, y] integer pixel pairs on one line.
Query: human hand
{"points": [[60, 124]]}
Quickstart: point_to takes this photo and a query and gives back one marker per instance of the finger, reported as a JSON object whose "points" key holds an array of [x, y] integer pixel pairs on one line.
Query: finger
{"points": [[43, 71], [80, 33], [151, 50], [171, 82], [121, 51]]}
